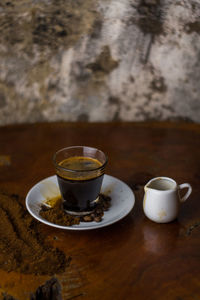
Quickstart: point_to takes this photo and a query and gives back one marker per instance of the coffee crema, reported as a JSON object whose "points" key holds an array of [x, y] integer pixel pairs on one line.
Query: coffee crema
{"points": [[80, 163], [76, 167]]}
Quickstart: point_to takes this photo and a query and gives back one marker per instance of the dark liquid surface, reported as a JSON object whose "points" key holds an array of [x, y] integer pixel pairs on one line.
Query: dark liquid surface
{"points": [[80, 163], [80, 193]]}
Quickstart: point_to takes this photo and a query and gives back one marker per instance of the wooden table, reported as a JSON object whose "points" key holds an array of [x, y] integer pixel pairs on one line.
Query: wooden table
{"points": [[134, 258]]}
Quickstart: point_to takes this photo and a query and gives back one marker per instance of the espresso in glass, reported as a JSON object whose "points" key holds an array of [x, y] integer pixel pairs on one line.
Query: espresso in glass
{"points": [[80, 174]]}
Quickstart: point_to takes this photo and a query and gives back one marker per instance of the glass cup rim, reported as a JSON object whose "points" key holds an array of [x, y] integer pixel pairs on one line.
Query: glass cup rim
{"points": [[57, 166]]}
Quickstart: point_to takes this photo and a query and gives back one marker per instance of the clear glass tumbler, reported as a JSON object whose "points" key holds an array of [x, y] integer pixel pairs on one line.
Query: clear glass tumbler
{"points": [[80, 172]]}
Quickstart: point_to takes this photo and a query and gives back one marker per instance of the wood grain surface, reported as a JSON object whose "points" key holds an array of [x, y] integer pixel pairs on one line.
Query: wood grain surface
{"points": [[134, 258]]}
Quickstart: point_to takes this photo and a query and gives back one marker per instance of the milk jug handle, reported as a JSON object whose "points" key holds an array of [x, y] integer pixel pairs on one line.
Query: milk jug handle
{"points": [[183, 186]]}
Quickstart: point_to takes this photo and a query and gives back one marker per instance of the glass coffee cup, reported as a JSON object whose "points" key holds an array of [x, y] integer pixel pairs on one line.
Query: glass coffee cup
{"points": [[80, 172]]}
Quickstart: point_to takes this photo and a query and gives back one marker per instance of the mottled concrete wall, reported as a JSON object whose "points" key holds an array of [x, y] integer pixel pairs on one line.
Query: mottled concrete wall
{"points": [[99, 60]]}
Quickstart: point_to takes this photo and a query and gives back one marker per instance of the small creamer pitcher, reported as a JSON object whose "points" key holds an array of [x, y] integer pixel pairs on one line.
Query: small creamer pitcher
{"points": [[162, 199]]}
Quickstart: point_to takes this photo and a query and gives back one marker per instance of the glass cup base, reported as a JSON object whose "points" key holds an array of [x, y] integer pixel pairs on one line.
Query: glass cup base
{"points": [[78, 213], [82, 213]]}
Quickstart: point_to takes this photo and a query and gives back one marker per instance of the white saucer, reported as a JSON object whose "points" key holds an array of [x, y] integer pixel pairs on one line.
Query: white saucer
{"points": [[122, 202]]}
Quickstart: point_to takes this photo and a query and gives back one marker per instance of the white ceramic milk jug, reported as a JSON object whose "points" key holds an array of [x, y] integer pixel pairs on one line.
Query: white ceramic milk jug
{"points": [[162, 200]]}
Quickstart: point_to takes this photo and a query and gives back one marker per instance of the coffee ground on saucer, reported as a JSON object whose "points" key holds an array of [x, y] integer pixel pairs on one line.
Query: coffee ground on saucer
{"points": [[55, 213], [22, 247]]}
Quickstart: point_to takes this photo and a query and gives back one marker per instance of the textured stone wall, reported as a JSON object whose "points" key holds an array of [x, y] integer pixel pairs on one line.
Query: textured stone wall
{"points": [[99, 60]]}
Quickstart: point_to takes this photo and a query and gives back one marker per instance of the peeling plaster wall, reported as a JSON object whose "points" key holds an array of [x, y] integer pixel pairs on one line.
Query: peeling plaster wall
{"points": [[99, 60]]}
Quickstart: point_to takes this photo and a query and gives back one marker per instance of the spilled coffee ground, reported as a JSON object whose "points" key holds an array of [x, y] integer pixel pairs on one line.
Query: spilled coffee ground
{"points": [[22, 247], [55, 214]]}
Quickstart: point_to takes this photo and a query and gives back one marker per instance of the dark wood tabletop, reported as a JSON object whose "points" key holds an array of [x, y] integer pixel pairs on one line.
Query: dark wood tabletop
{"points": [[134, 258]]}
